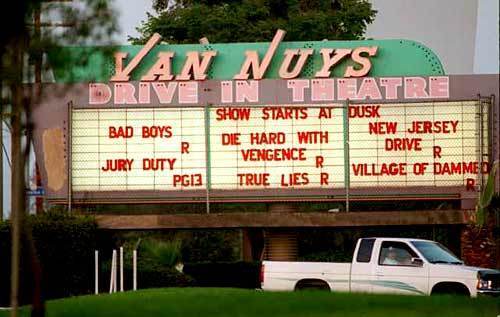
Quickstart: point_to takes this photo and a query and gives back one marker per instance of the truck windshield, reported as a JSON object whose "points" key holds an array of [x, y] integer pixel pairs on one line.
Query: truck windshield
{"points": [[435, 252]]}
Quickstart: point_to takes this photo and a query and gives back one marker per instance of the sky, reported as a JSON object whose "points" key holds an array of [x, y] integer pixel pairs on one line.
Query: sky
{"points": [[131, 15], [486, 58], [463, 33]]}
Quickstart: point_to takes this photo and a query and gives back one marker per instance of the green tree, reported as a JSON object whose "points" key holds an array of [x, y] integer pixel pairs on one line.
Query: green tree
{"points": [[223, 21], [24, 40]]}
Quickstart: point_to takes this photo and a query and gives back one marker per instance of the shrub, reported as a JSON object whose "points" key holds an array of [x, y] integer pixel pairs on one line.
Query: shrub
{"points": [[221, 245], [155, 264], [148, 276], [164, 253], [223, 274], [211, 245], [65, 248], [153, 277]]}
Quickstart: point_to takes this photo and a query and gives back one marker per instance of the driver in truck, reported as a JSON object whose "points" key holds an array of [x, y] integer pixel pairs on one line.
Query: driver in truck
{"points": [[391, 257]]}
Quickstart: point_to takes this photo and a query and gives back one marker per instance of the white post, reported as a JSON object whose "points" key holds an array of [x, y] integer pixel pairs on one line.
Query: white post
{"points": [[112, 278], [121, 269], [115, 279], [96, 258], [134, 268]]}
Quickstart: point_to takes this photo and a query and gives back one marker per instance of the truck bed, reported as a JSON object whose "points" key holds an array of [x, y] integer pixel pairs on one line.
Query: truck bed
{"points": [[284, 276]]}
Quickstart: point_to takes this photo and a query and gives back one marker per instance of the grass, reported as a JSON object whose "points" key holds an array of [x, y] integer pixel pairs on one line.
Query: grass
{"points": [[242, 303]]}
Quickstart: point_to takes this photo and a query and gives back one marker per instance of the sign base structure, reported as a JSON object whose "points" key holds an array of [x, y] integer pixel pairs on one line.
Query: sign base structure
{"points": [[269, 140], [285, 220]]}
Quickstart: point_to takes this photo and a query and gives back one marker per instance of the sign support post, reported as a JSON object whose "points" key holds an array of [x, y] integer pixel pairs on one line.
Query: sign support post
{"points": [[480, 159], [96, 271], [207, 156], [347, 173], [70, 167], [134, 269]]}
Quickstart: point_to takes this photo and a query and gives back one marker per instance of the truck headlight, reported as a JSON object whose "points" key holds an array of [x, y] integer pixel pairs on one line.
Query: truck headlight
{"points": [[484, 284]]}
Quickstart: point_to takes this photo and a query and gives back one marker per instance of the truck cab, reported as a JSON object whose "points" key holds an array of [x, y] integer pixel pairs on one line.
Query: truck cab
{"points": [[387, 265], [398, 265]]}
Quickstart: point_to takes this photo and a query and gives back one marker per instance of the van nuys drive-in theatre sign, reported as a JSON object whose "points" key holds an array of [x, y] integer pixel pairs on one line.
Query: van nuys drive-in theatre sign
{"points": [[257, 121]]}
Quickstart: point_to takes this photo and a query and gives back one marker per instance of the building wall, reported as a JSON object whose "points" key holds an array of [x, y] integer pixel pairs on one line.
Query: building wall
{"points": [[486, 56]]}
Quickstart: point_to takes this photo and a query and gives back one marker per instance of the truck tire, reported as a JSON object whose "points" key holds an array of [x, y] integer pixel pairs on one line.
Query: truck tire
{"points": [[450, 288], [312, 284]]}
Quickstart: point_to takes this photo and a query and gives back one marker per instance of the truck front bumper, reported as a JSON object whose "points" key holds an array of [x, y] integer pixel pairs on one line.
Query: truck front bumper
{"points": [[488, 292]]}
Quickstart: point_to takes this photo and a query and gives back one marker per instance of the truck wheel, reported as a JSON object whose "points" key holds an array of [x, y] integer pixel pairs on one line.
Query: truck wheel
{"points": [[449, 288], [312, 284]]}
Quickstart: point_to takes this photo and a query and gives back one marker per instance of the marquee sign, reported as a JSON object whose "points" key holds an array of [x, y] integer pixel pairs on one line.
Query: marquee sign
{"points": [[232, 61], [241, 92], [169, 132], [238, 148], [196, 64]]}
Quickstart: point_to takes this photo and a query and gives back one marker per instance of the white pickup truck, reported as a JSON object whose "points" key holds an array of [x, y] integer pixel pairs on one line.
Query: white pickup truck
{"points": [[386, 265]]}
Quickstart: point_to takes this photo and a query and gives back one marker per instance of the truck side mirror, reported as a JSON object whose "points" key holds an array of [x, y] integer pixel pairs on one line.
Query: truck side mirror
{"points": [[417, 262]]}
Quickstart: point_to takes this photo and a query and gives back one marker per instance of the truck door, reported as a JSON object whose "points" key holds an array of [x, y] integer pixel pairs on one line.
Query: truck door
{"points": [[362, 266], [400, 270]]}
